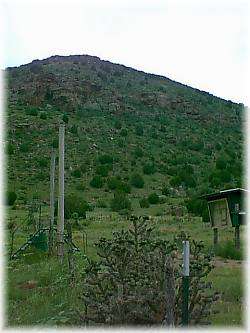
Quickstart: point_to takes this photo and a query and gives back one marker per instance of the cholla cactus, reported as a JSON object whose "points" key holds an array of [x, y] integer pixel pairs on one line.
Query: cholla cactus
{"points": [[138, 277]]}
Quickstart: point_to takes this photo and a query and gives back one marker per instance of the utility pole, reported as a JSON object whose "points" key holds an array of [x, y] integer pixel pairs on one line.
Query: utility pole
{"points": [[52, 198], [185, 283], [60, 223]]}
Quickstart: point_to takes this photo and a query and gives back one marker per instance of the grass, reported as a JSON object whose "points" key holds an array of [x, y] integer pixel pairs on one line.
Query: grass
{"points": [[49, 302]]}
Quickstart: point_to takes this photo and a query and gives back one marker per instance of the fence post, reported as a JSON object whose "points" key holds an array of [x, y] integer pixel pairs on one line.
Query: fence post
{"points": [[52, 199], [60, 223], [185, 283], [215, 229], [237, 227], [169, 293]]}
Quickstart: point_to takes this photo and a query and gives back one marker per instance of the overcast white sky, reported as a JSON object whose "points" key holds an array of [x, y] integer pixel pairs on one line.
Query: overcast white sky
{"points": [[202, 43]]}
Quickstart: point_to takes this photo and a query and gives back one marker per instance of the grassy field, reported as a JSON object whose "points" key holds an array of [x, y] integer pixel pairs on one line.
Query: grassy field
{"points": [[37, 290]]}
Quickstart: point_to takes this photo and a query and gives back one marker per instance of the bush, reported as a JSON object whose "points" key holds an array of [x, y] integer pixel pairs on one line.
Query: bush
{"points": [[65, 118], [74, 129], [153, 198], [42, 162], [101, 204], [76, 173], [149, 169], [118, 124], [11, 197], [96, 182], [144, 203], [120, 202], [43, 115], [74, 204], [9, 149], [198, 207], [166, 191], [24, 147], [102, 170], [105, 159], [31, 111], [113, 183], [138, 152], [137, 181], [124, 132], [139, 130], [228, 251]]}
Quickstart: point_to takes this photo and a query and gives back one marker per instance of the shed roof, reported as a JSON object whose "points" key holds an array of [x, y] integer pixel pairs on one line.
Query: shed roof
{"points": [[224, 193]]}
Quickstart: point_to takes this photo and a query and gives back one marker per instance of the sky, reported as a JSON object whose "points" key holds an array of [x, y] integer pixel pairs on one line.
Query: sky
{"points": [[201, 43]]}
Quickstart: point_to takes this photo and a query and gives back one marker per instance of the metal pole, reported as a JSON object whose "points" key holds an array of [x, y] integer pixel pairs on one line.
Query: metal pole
{"points": [[52, 198], [185, 283], [60, 223]]}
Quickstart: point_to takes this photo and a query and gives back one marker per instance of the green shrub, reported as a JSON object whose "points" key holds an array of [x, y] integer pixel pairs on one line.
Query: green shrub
{"points": [[74, 129], [102, 170], [120, 202], [124, 187], [43, 115], [149, 169], [228, 251], [24, 147], [124, 132], [9, 149], [165, 190], [112, 183], [144, 203], [32, 111], [153, 198], [76, 173], [74, 204], [96, 182], [101, 204], [105, 159], [198, 207], [137, 181], [139, 130], [65, 118], [138, 152], [11, 197], [42, 162], [118, 124]]}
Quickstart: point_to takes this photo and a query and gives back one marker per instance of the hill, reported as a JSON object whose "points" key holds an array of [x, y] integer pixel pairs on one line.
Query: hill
{"points": [[121, 123]]}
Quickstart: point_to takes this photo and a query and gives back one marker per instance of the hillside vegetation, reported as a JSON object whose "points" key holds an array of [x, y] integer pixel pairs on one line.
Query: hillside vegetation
{"points": [[122, 124], [139, 148]]}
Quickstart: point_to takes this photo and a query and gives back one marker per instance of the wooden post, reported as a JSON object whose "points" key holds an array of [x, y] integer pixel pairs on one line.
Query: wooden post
{"points": [[237, 237], [169, 293], [52, 199], [237, 227], [60, 223], [185, 283], [215, 229]]}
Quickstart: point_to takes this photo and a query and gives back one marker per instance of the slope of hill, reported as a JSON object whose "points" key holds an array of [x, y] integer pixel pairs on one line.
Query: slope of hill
{"points": [[121, 122]]}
